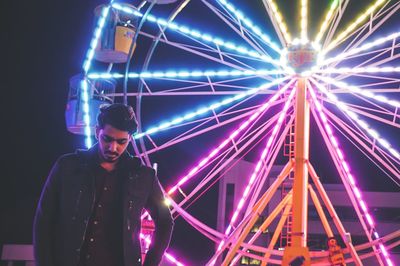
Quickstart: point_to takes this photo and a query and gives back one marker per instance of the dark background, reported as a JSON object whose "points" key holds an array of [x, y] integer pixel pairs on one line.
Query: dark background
{"points": [[43, 44]]}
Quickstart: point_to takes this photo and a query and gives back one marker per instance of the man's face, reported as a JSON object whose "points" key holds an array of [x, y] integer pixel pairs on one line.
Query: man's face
{"points": [[112, 142]]}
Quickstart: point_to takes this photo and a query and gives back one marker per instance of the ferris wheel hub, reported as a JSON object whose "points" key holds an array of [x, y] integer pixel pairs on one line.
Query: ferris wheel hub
{"points": [[301, 57]]}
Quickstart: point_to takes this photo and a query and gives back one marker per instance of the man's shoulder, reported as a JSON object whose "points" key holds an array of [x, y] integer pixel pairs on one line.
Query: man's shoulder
{"points": [[69, 159], [141, 169]]}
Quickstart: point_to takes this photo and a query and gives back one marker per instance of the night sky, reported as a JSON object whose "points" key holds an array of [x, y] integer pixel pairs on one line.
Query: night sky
{"points": [[44, 44]]}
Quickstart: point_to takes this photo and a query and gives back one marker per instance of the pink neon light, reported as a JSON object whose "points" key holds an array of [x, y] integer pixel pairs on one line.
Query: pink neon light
{"points": [[357, 192], [369, 219], [173, 260], [349, 176], [363, 206], [235, 133], [167, 255], [257, 168]]}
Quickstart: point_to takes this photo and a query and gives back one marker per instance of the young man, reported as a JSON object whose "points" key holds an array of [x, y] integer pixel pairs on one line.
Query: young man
{"points": [[90, 207]]}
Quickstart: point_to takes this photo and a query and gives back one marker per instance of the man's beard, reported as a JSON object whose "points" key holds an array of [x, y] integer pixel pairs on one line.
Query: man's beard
{"points": [[110, 156]]}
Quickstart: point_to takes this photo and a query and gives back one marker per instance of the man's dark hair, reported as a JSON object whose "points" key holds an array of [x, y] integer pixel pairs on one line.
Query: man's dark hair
{"points": [[118, 115]]}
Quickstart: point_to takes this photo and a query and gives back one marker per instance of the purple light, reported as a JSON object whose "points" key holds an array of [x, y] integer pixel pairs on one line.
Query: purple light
{"points": [[350, 177], [167, 255], [232, 136], [258, 167]]}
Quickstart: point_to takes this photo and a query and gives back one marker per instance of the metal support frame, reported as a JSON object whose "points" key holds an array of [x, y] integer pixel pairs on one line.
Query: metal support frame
{"points": [[298, 246], [333, 214], [257, 210]]}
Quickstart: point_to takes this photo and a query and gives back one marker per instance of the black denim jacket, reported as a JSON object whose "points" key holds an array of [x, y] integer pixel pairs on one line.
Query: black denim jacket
{"points": [[66, 204]]}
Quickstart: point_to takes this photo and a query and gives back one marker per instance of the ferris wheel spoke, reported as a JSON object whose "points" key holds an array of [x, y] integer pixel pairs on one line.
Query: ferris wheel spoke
{"points": [[357, 90], [370, 131], [245, 27], [257, 169], [233, 135], [245, 21], [329, 17], [246, 143], [364, 48], [349, 31], [196, 34], [335, 22], [348, 180], [369, 112], [216, 118], [374, 64], [372, 25], [303, 20], [191, 133], [213, 106], [371, 55], [200, 129], [212, 54], [383, 160], [185, 74], [372, 71], [197, 88], [236, 56], [371, 143], [237, 150], [357, 130], [278, 22], [229, 158]]}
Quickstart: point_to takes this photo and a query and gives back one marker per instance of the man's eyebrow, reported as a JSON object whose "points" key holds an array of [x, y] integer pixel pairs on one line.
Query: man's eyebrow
{"points": [[112, 139]]}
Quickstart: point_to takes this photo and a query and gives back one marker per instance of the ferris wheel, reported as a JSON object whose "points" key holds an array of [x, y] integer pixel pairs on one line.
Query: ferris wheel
{"points": [[236, 80]]}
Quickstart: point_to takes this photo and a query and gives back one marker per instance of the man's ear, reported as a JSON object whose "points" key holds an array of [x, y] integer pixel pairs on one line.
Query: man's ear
{"points": [[97, 131]]}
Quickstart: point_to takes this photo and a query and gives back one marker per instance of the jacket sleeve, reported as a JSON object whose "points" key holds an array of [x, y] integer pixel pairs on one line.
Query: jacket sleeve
{"points": [[45, 217], [163, 221]]}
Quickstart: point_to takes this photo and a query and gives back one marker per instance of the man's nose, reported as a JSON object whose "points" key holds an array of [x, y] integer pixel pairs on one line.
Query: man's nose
{"points": [[113, 146]]}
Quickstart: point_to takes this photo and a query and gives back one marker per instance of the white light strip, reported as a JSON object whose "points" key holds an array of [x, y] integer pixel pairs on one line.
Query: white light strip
{"points": [[279, 19], [86, 66], [327, 19], [86, 113], [95, 39], [214, 106], [303, 21], [345, 166], [355, 70], [187, 74], [373, 133], [257, 169], [255, 29], [368, 94], [356, 22], [362, 48], [199, 35], [346, 169]]}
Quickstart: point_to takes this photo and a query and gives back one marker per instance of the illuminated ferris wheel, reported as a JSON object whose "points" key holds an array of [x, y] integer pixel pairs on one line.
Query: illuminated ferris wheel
{"points": [[254, 95]]}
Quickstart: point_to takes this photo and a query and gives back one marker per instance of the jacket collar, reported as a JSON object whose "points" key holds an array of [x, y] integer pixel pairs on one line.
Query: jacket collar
{"points": [[91, 157]]}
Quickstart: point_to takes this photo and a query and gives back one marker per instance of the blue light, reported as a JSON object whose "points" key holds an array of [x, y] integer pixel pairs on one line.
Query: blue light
{"points": [[86, 66], [200, 36], [256, 30], [93, 44], [203, 110], [187, 74], [86, 117]]}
